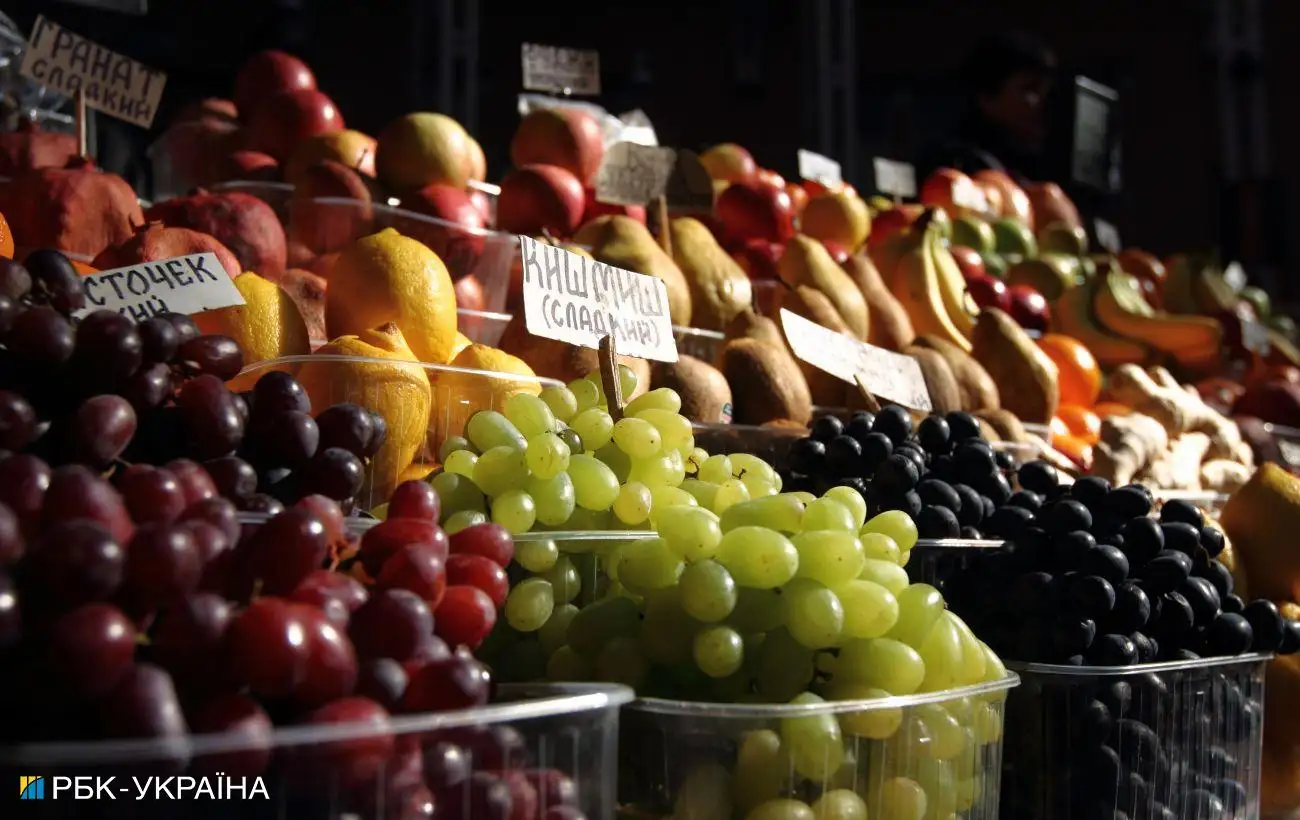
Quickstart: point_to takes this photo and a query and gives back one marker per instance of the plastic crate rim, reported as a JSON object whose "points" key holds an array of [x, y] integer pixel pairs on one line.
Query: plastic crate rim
{"points": [[1066, 671]]}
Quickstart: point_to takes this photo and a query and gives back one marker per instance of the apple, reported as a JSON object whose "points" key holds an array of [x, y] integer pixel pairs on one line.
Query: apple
{"points": [[352, 148], [211, 108], [331, 207], [753, 210], [1012, 200], [729, 162], [485, 205], [266, 74], [307, 290], [1028, 308], [191, 154], [460, 243], [837, 251], [759, 258], [798, 196], [769, 177], [986, 291], [955, 192], [539, 198], [969, 260], [887, 223], [594, 208], [290, 117], [253, 165], [469, 293], [565, 137]]}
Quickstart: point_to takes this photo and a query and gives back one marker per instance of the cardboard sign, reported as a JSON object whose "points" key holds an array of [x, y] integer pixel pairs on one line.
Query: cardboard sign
{"points": [[817, 168], [1235, 276], [67, 63], [889, 375], [574, 299], [561, 70], [183, 284], [1107, 235], [1254, 337], [633, 174], [894, 178]]}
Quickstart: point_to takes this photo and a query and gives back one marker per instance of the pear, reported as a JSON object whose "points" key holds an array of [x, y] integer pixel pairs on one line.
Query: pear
{"points": [[1025, 376], [765, 382], [719, 287], [890, 326], [1012, 238], [1049, 274], [750, 325], [807, 262], [1059, 237], [813, 305], [625, 243]]}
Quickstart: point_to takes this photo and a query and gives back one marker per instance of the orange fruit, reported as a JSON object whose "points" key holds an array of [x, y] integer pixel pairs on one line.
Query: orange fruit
{"points": [[83, 268], [6, 239], [1082, 422], [1080, 375], [1057, 429], [1075, 449]]}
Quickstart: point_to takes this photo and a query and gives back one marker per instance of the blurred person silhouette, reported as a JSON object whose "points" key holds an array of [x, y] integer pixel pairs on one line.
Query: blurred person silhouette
{"points": [[1007, 77]]}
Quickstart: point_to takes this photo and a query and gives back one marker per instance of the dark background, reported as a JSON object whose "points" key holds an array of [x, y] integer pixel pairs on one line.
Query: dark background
{"points": [[742, 70]]}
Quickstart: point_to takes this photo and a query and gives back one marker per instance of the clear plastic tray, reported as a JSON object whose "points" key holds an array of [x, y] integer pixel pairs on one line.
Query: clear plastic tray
{"points": [[482, 326], [683, 760], [1020, 451], [350, 770], [934, 560], [1095, 741], [772, 444], [387, 387], [699, 343], [767, 296]]}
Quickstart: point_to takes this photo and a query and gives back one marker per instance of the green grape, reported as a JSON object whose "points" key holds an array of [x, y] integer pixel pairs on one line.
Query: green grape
{"points": [[762, 769], [664, 498], [460, 462], [919, 608], [839, 804], [488, 429], [973, 660], [905, 749], [586, 394], [967, 791], [708, 592], [453, 443], [656, 471], [742, 463], [804, 497], [661, 398], [881, 548], [785, 667], [565, 665], [667, 631], [677, 461], [616, 460], [648, 564], [718, 651], [515, 510], [779, 512], [936, 777], [582, 520], [758, 486], [896, 524], [904, 558], [994, 670], [705, 794], [830, 557], [565, 580], [529, 414], [500, 469], [536, 556], [986, 722], [889, 575], [715, 469], [621, 660], [941, 651], [813, 614], [757, 610], [673, 429], [729, 493], [852, 499], [827, 514], [876, 724], [881, 663], [690, 532], [695, 457], [947, 738], [552, 634], [553, 497], [463, 519], [594, 426], [896, 798], [704, 493], [813, 740], [602, 620], [561, 401], [637, 437], [963, 765], [594, 485], [547, 455], [633, 503], [758, 557], [457, 492], [782, 808], [627, 380], [870, 610], [529, 604]]}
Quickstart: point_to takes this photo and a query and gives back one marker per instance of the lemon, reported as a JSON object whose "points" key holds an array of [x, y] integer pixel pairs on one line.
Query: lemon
{"points": [[267, 325]]}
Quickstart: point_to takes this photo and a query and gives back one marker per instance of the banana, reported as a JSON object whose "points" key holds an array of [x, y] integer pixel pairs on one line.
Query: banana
{"points": [[952, 286], [1191, 340], [1072, 316], [1194, 284], [916, 284]]}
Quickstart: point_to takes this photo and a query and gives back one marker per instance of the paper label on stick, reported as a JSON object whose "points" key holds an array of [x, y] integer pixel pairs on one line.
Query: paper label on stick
{"points": [[891, 376], [1107, 235], [573, 299], [561, 70], [632, 174], [1290, 453], [818, 168], [1254, 337], [1235, 276], [67, 63], [894, 178], [183, 284]]}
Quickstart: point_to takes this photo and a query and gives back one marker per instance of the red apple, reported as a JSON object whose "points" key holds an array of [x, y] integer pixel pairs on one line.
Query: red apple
{"points": [[289, 117], [837, 251], [460, 243], [953, 191], [266, 74], [595, 208], [1028, 308], [540, 197], [190, 154], [988, 291], [729, 162], [250, 165], [969, 260], [753, 210], [887, 223], [469, 293], [771, 178], [567, 137], [759, 257], [484, 204]]}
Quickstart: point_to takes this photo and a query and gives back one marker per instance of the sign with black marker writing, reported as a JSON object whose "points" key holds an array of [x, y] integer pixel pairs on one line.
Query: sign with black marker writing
{"points": [[575, 299], [817, 167], [633, 174], [889, 375], [894, 178], [183, 284], [561, 70], [66, 63]]}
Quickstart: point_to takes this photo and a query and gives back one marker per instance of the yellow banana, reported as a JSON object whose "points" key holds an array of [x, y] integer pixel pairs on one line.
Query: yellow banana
{"points": [[1119, 306], [916, 285], [1072, 316], [952, 286]]}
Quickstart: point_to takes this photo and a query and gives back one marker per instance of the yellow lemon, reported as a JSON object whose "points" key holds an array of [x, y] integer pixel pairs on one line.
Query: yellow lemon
{"points": [[267, 325]]}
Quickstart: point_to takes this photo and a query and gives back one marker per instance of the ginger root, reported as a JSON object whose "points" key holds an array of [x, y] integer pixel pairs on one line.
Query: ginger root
{"points": [[1223, 475], [1179, 467], [1128, 445], [1158, 394]]}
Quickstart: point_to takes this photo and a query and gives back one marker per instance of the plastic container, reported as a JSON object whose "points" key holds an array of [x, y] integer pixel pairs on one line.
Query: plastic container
{"points": [[1167, 740], [392, 389], [681, 759], [482, 326], [934, 560], [344, 771], [275, 194], [772, 444], [1020, 451], [699, 343]]}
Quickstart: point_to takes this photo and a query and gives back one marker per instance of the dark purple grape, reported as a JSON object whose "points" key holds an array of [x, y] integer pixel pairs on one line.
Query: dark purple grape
{"points": [[76, 562], [108, 349], [18, 423], [383, 680], [144, 704], [286, 439], [334, 473], [347, 425], [55, 282], [12, 543], [9, 311], [41, 339], [11, 622], [212, 424], [162, 565], [262, 503], [15, 281], [159, 340], [184, 325], [92, 649], [148, 387], [100, 431], [378, 437], [279, 392], [218, 356], [234, 477]]}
